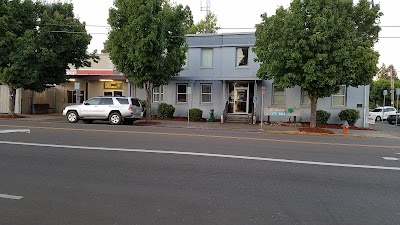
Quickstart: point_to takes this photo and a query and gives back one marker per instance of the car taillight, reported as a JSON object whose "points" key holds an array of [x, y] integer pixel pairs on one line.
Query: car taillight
{"points": [[130, 107]]}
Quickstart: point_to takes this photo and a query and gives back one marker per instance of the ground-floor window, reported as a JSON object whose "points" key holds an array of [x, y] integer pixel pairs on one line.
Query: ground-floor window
{"points": [[206, 93], [181, 93], [113, 93], [158, 94], [71, 96], [278, 95]]}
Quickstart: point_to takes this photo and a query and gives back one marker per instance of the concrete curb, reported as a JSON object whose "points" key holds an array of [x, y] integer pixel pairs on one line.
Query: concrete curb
{"points": [[322, 134]]}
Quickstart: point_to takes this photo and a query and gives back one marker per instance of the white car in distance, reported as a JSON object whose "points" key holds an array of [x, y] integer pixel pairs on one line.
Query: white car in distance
{"points": [[378, 115]]}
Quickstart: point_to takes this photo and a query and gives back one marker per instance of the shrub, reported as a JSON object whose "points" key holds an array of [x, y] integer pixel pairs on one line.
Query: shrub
{"points": [[322, 116], [195, 114], [165, 110], [351, 115]]}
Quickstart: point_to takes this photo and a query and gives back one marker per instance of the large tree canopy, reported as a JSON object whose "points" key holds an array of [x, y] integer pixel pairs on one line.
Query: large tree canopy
{"points": [[147, 41], [319, 45], [37, 43]]}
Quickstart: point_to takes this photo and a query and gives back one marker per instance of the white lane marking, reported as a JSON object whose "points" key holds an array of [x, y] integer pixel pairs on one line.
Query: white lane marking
{"points": [[204, 154], [391, 158], [15, 131], [14, 197]]}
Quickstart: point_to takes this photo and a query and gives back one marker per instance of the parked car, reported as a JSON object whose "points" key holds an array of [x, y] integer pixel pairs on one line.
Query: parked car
{"points": [[387, 111], [114, 109], [392, 119]]}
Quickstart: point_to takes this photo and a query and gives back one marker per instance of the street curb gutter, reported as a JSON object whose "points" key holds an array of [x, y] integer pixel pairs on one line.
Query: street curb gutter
{"points": [[322, 134]]}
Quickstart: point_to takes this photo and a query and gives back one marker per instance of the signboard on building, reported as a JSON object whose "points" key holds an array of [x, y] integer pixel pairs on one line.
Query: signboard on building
{"points": [[113, 85], [282, 111]]}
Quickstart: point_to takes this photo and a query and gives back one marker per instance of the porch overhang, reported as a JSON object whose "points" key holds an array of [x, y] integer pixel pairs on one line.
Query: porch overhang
{"points": [[216, 79]]}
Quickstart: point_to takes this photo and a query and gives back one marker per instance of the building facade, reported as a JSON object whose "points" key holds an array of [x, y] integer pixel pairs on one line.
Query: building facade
{"points": [[219, 74]]}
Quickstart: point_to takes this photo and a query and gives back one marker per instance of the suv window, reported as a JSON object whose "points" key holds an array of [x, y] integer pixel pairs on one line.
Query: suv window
{"points": [[123, 101], [135, 102], [106, 101], [377, 110], [92, 101]]}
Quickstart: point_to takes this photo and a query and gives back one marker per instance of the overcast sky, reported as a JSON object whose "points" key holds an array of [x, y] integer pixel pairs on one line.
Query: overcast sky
{"points": [[243, 14]]}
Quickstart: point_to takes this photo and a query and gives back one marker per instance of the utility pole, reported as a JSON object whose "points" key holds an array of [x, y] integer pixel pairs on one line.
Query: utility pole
{"points": [[391, 87]]}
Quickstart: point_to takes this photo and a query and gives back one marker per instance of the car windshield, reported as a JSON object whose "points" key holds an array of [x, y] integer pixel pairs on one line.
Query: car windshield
{"points": [[377, 110]]}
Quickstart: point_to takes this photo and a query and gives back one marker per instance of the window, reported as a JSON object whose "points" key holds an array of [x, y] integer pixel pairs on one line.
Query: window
{"points": [[123, 101], [305, 98], [278, 96], [108, 93], [242, 56], [339, 99], [135, 102], [206, 92], [186, 60], [71, 96], [158, 94], [182, 93], [207, 57], [93, 101], [106, 101]]}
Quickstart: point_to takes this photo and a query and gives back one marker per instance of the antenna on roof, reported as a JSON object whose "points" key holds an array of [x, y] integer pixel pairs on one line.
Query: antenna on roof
{"points": [[206, 7]]}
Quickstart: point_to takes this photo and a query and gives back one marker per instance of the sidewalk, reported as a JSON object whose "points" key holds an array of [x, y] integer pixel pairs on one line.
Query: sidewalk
{"points": [[58, 118]]}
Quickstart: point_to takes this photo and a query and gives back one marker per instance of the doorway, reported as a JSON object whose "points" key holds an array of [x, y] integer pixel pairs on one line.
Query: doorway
{"points": [[239, 98]]}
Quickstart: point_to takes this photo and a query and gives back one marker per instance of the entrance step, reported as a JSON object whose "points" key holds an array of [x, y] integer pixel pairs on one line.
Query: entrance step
{"points": [[234, 118]]}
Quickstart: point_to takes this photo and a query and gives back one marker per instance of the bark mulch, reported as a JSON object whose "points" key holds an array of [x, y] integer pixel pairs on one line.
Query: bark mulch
{"points": [[8, 116], [315, 130]]}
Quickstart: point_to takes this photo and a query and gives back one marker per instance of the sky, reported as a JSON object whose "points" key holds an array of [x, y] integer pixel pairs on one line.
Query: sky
{"points": [[242, 14]]}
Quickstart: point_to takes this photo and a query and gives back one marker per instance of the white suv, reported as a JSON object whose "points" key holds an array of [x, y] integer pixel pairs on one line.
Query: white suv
{"points": [[114, 109], [378, 115]]}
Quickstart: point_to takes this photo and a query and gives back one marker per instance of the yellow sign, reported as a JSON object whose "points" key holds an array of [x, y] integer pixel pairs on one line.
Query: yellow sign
{"points": [[113, 85]]}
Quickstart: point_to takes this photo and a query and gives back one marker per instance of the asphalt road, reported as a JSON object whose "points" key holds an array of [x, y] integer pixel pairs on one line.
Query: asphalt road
{"points": [[103, 174]]}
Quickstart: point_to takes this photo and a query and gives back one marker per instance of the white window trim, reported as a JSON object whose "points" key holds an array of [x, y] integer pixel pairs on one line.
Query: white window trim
{"points": [[212, 58], [177, 94], [161, 87], [273, 94], [337, 95], [201, 94]]}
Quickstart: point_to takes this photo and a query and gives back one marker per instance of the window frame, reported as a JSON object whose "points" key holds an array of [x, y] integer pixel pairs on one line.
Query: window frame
{"points": [[202, 93], [160, 94], [244, 56], [274, 94], [337, 95], [212, 58], [178, 93], [82, 95], [302, 96]]}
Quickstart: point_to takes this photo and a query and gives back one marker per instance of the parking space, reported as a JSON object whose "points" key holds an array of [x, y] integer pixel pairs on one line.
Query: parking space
{"points": [[386, 128]]}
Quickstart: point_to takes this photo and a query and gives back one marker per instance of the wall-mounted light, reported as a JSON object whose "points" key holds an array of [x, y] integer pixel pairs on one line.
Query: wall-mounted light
{"points": [[105, 80], [71, 79]]}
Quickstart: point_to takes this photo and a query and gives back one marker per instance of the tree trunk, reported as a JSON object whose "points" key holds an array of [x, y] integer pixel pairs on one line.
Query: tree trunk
{"points": [[149, 93], [11, 106], [313, 119]]}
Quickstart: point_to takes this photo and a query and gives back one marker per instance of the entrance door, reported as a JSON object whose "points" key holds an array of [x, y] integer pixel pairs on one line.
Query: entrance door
{"points": [[241, 103]]}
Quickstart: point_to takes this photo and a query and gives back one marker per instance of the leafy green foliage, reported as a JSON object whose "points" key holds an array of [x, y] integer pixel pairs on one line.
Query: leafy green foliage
{"points": [[165, 111], [147, 42], [376, 91], [36, 46], [195, 114], [319, 45], [323, 116], [351, 115], [206, 25]]}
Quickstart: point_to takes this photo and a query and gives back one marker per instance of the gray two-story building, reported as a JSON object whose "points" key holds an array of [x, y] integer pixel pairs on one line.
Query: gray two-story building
{"points": [[220, 74]]}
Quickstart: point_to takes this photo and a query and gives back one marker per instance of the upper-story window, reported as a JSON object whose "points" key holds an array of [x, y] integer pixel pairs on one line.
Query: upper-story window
{"points": [[242, 56], [186, 59], [206, 57], [339, 99], [305, 98]]}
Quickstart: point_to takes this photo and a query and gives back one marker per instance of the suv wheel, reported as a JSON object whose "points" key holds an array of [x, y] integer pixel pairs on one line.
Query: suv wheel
{"points": [[72, 116], [378, 118], [115, 118]]}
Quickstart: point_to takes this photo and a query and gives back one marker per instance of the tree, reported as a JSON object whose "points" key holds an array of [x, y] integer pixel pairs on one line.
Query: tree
{"points": [[147, 42], [206, 25], [376, 91], [37, 42], [319, 45], [384, 72]]}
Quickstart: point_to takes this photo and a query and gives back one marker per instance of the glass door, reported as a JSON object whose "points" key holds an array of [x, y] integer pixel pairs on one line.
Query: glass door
{"points": [[241, 103]]}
